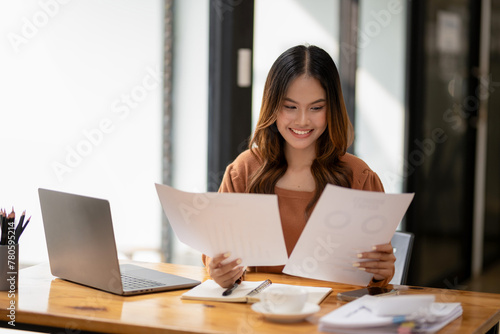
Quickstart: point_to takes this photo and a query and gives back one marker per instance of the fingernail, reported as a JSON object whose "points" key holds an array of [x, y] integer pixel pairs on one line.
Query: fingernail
{"points": [[361, 268], [374, 247], [359, 255], [228, 254], [238, 261], [355, 264]]}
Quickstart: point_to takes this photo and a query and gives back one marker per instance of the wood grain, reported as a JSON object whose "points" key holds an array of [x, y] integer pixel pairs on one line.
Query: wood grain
{"points": [[48, 301]]}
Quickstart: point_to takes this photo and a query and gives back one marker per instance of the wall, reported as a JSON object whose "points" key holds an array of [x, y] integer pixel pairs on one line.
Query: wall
{"points": [[81, 111], [380, 89]]}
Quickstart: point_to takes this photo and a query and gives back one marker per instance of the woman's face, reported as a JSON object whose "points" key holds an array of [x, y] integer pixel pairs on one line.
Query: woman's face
{"points": [[302, 117]]}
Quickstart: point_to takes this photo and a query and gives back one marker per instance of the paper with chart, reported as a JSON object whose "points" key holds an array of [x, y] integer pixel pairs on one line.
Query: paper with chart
{"points": [[344, 223], [247, 225]]}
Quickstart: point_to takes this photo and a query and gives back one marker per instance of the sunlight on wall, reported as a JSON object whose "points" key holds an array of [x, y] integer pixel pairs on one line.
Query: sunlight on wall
{"points": [[382, 122], [190, 107], [380, 89], [81, 111]]}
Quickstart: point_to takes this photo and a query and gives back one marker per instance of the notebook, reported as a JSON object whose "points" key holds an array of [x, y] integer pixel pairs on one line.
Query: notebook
{"points": [[211, 291], [82, 249]]}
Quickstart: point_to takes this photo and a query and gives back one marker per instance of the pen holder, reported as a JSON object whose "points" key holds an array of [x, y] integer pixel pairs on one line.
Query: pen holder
{"points": [[9, 267]]}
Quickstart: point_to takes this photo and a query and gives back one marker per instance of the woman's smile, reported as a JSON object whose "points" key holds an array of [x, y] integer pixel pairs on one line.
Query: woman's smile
{"points": [[301, 133]]}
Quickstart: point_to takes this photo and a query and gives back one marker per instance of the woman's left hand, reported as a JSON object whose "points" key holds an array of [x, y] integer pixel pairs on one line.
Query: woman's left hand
{"points": [[380, 262]]}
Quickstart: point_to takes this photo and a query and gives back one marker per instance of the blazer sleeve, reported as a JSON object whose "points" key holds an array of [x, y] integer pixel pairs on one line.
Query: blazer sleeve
{"points": [[372, 182], [233, 181]]}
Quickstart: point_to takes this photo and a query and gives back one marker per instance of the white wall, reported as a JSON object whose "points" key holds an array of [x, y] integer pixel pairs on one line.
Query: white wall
{"points": [[190, 106], [82, 76], [380, 87], [190, 95]]}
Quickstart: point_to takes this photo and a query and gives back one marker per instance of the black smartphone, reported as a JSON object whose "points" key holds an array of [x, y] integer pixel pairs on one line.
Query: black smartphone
{"points": [[373, 291]]}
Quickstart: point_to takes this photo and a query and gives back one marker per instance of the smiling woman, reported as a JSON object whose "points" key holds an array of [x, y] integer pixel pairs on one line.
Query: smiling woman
{"points": [[298, 147]]}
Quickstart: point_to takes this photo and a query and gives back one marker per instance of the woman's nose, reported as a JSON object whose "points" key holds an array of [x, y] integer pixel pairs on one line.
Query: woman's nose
{"points": [[302, 118]]}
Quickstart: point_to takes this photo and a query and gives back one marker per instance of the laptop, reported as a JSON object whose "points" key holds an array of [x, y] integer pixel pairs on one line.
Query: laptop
{"points": [[81, 247]]}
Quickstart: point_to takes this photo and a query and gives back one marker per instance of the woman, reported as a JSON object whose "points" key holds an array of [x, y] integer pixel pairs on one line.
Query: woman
{"points": [[299, 146]]}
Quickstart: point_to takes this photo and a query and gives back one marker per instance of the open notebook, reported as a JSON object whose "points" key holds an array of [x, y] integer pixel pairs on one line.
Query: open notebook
{"points": [[211, 291]]}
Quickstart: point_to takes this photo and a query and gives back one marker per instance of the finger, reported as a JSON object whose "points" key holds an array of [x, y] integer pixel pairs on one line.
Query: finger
{"points": [[382, 257], [217, 260], [379, 252], [217, 267], [374, 265], [376, 256], [380, 269], [228, 279], [239, 274], [385, 248], [222, 269], [376, 260], [380, 274], [381, 262]]}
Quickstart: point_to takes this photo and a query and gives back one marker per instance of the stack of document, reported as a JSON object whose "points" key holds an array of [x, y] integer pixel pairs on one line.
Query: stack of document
{"points": [[370, 314]]}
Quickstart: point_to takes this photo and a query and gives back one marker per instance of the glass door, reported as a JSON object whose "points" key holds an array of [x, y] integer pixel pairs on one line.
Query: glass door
{"points": [[440, 156]]}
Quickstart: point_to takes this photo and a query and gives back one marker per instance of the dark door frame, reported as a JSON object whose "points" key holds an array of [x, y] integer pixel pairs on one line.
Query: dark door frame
{"points": [[230, 99]]}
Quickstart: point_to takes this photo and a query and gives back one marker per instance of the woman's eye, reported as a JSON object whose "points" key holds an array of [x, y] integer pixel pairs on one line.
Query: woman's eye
{"points": [[317, 108], [289, 107]]}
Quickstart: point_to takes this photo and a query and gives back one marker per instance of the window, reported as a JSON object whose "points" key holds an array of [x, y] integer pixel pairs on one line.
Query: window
{"points": [[81, 111]]}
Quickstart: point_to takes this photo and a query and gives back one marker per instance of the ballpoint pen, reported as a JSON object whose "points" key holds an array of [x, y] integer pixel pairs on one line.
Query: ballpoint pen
{"points": [[261, 287], [230, 290]]}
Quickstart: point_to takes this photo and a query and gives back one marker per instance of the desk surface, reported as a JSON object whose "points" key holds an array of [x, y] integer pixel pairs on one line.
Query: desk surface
{"points": [[48, 301]]}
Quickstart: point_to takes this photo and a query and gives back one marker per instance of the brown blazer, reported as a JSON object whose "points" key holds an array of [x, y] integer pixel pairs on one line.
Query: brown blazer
{"points": [[292, 204]]}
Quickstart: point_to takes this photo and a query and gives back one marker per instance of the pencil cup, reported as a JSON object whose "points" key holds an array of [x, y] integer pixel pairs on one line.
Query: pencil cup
{"points": [[9, 267]]}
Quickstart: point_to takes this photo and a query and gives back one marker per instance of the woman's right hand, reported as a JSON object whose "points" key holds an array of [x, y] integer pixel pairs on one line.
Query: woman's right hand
{"points": [[225, 274]]}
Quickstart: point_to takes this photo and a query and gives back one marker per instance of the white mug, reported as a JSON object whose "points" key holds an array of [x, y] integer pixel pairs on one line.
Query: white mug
{"points": [[284, 299]]}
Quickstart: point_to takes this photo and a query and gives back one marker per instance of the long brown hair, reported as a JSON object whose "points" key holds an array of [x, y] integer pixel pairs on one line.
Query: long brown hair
{"points": [[268, 144]]}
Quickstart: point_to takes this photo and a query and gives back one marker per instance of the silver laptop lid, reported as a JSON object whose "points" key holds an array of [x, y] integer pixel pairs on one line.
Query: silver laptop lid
{"points": [[80, 239]]}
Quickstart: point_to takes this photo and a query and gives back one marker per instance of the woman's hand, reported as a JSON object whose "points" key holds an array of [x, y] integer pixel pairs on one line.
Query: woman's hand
{"points": [[381, 262], [225, 274]]}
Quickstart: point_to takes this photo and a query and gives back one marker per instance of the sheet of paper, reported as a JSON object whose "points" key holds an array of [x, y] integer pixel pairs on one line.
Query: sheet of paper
{"points": [[344, 223], [247, 225]]}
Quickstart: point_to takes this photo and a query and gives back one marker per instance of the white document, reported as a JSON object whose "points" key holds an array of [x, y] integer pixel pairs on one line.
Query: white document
{"points": [[247, 225], [360, 316], [344, 223]]}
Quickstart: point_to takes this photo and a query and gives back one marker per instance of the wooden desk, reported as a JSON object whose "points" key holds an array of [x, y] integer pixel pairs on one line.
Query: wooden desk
{"points": [[44, 300]]}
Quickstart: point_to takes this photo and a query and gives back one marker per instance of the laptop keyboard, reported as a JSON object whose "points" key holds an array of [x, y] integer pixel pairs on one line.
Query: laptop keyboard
{"points": [[134, 283]]}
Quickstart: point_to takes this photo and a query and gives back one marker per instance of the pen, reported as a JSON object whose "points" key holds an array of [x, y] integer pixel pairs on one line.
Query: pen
{"points": [[261, 287], [231, 289]]}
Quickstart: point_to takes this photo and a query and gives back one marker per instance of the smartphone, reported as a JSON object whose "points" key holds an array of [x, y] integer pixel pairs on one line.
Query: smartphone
{"points": [[372, 291]]}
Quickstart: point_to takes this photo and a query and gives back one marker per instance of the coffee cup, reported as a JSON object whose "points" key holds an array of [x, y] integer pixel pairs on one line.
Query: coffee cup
{"points": [[284, 299]]}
